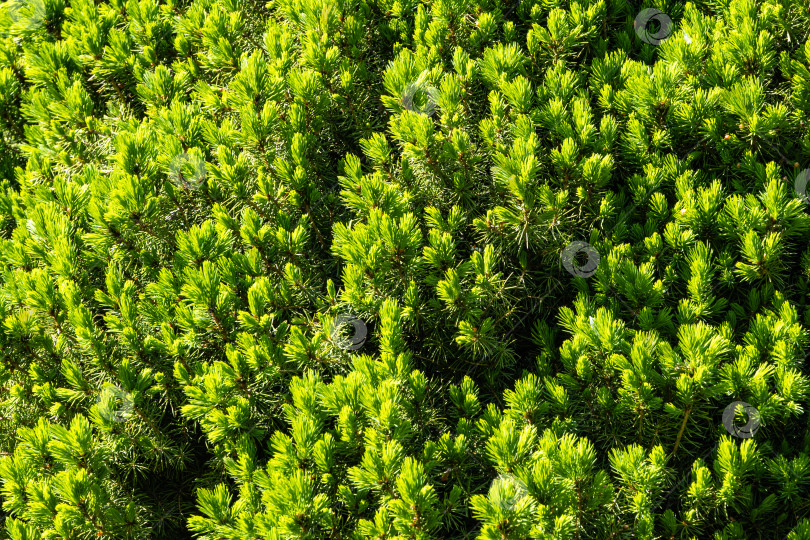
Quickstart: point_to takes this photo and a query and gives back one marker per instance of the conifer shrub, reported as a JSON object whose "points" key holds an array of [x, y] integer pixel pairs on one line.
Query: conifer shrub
{"points": [[347, 269]]}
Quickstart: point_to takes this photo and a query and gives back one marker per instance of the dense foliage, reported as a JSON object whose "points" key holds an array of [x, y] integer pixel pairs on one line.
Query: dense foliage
{"points": [[197, 195]]}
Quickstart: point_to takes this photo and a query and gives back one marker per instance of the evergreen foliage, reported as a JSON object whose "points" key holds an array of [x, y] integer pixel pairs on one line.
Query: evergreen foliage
{"points": [[198, 194]]}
